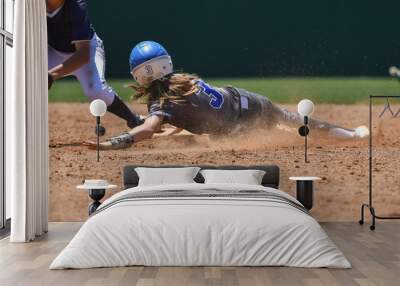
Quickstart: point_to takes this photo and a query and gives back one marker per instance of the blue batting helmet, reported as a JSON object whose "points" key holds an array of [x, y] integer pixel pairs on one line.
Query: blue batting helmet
{"points": [[149, 61]]}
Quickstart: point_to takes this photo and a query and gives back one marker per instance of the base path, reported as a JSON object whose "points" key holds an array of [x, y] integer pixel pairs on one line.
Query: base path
{"points": [[342, 165]]}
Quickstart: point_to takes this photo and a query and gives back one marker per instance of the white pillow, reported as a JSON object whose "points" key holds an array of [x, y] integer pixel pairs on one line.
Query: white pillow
{"points": [[166, 176], [248, 177]]}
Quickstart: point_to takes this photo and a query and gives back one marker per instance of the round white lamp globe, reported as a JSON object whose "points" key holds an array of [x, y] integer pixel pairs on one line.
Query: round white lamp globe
{"points": [[98, 107], [305, 107]]}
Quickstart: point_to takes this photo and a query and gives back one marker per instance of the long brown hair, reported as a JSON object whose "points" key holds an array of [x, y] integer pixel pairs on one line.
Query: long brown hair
{"points": [[174, 87]]}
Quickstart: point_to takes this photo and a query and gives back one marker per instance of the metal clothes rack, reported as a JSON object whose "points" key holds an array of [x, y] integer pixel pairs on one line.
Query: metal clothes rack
{"points": [[370, 202]]}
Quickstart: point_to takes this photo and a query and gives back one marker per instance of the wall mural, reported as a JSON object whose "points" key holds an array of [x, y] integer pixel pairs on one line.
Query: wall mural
{"points": [[190, 100]]}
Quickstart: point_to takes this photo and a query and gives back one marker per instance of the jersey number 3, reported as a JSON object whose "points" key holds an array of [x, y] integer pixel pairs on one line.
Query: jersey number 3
{"points": [[216, 98]]}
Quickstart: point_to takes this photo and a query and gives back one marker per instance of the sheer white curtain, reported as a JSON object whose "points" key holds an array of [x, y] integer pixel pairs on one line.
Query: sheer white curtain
{"points": [[27, 124]]}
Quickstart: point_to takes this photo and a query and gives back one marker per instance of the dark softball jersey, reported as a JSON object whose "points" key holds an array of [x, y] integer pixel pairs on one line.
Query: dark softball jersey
{"points": [[68, 25], [213, 110]]}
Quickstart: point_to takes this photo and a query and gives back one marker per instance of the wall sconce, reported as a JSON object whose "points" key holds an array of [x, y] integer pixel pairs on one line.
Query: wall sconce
{"points": [[98, 108], [305, 109]]}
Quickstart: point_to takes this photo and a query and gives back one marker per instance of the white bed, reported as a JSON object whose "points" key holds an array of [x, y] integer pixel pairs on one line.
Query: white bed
{"points": [[201, 224]]}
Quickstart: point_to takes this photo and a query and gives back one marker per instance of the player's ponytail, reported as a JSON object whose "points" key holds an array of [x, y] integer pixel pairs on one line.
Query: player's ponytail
{"points": [[174, 87]]}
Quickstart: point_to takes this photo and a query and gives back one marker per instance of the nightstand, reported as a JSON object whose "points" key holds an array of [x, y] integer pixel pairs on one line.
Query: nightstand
{"points": [[97, 190], [305, 190]]}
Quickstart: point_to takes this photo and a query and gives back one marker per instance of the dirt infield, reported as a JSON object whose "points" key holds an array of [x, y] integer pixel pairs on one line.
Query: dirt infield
{"points": [[342, 165]]}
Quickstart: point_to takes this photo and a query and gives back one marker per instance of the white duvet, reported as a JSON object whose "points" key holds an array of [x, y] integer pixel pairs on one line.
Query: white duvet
{"points": [[188, 231]]}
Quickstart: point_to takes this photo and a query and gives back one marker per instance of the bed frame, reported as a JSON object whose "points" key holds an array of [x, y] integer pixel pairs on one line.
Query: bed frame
{"points": [[270, 179]]}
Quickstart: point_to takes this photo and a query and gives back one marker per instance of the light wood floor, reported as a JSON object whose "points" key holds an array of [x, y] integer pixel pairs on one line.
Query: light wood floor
{"points": [[375, 257]]}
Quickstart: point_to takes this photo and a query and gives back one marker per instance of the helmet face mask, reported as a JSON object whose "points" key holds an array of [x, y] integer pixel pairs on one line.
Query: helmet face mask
{"points": [[149, 61]]}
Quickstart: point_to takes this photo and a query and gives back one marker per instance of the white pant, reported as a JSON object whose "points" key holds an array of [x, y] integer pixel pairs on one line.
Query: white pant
{"points": [[91, 75]]}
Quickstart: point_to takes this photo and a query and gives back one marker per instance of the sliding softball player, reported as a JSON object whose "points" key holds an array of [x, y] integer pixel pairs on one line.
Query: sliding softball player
{"points": [[75, 49], [188, 102]]}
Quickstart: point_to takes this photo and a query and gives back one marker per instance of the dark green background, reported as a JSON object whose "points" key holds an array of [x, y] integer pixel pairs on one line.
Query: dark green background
{"points": [[255, 38]]}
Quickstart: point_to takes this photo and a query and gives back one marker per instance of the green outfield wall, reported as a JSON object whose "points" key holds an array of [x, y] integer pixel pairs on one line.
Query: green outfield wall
{"points": [[255, 38]]}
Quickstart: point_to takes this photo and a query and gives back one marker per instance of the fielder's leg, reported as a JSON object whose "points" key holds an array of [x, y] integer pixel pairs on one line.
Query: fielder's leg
{"points": [[91, 77]]}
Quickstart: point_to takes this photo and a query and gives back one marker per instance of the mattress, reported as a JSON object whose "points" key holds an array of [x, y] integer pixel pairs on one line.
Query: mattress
{"points": [[201, 225]]}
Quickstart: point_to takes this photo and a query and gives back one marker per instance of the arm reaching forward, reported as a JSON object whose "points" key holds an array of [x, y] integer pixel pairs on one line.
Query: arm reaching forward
{"points": [[125, 140], [77, 60]]}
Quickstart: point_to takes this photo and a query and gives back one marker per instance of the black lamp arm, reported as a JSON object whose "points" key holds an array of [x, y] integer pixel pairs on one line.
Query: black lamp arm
{"points": [[98, 137]]}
